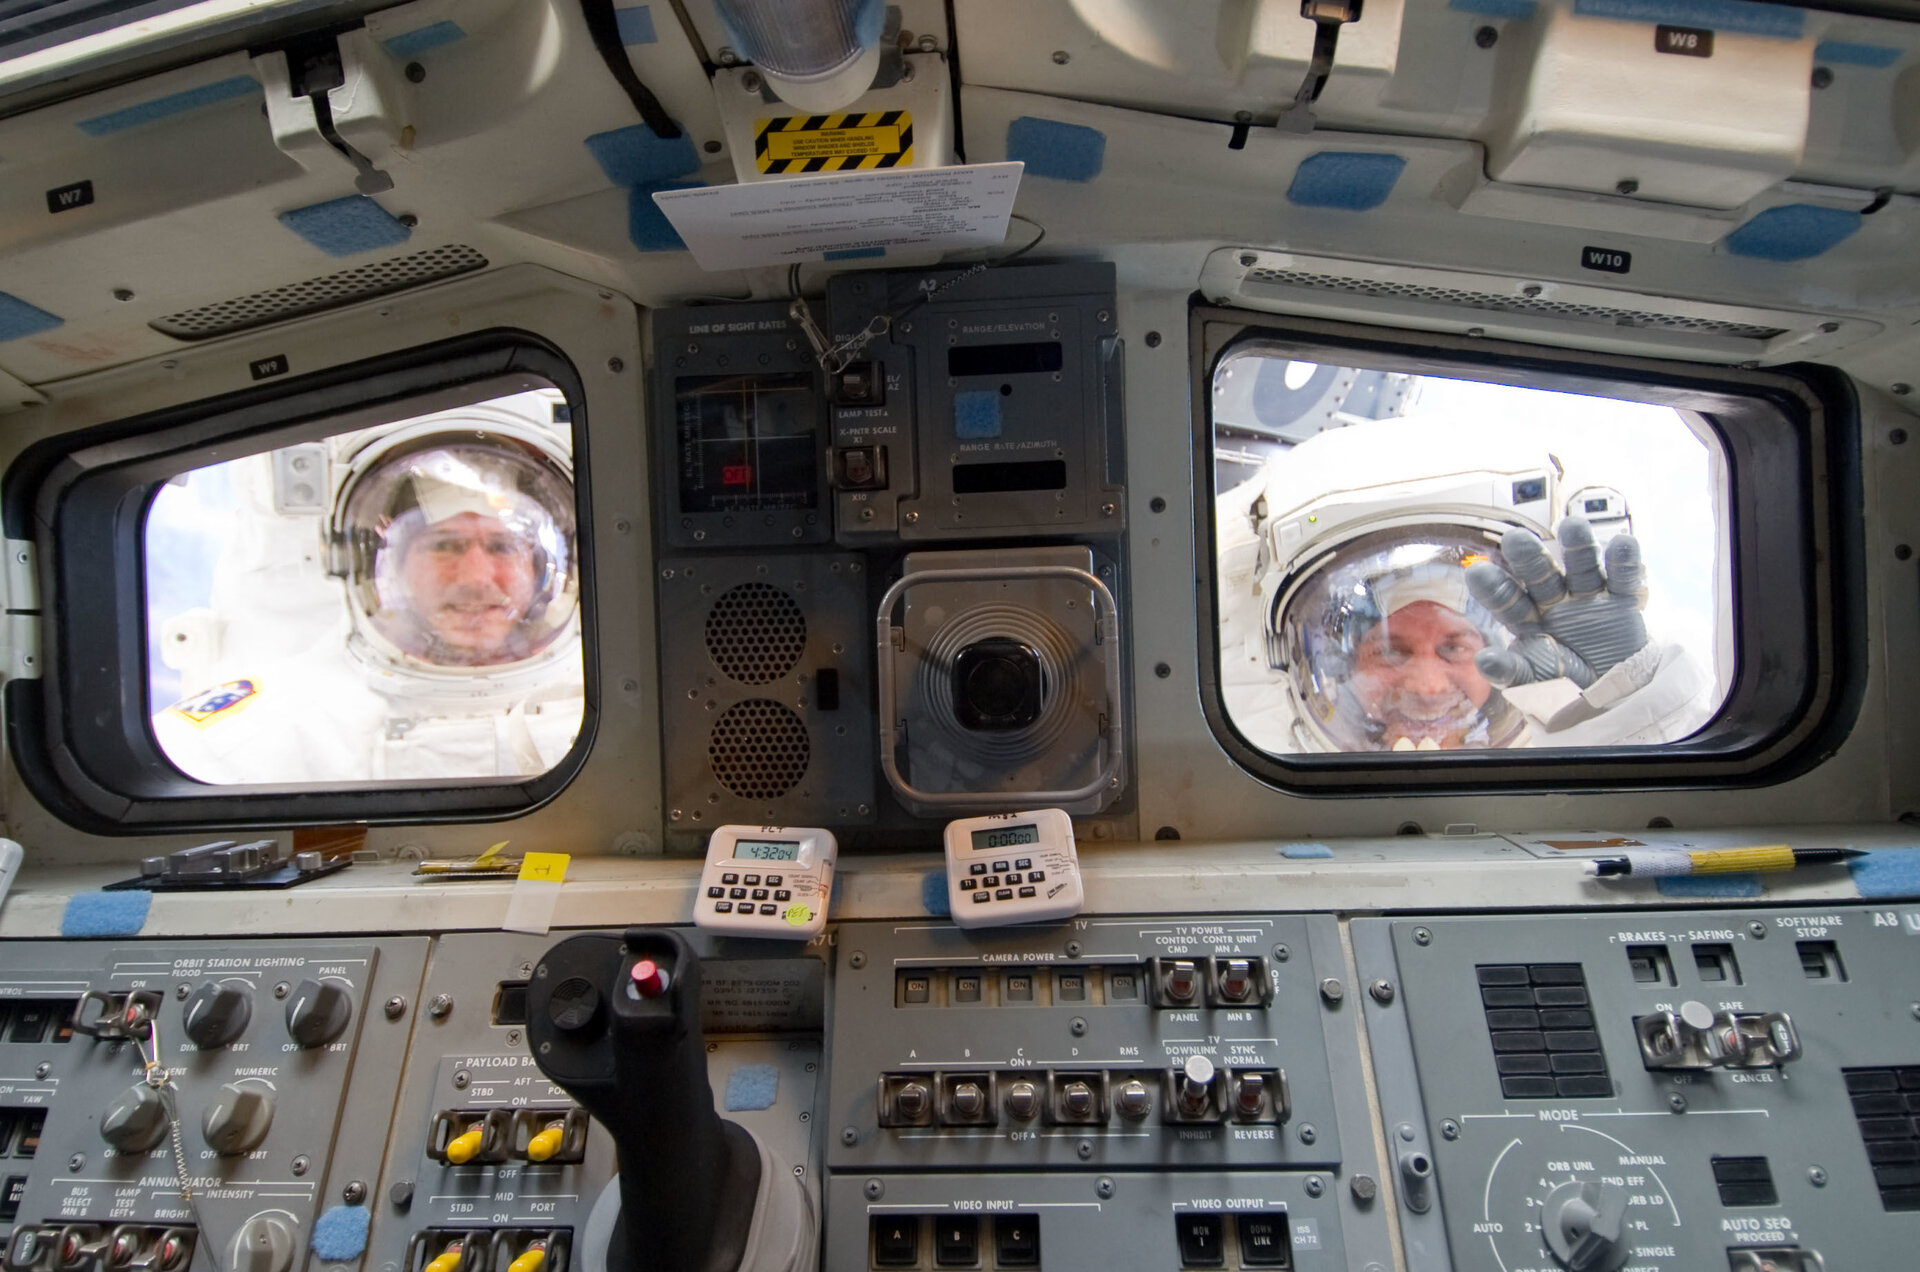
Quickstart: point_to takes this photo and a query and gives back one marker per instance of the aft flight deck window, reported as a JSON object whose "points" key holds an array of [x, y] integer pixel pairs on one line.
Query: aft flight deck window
{"points": [[1443, 562], [1410, 562], [396, 602]]}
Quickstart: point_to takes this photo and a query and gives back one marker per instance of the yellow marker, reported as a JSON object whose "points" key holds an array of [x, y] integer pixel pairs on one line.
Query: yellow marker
{"points": [[532, 1261], [545, 1144], [447, 1262], [464, 1147]]}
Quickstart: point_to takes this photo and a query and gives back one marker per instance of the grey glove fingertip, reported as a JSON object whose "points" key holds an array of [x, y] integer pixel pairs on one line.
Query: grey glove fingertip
{"points": [[1625, 571], [1582, 557], [1502, 668], [1501, 593]]}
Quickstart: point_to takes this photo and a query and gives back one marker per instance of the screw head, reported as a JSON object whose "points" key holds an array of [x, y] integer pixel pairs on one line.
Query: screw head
{"points": [[77, 1162], [1757, 930], [1307, 1134], [1315, 1185], [616, 366], [1677, 1102], [1249, 260], [1077, 1026], [415, 72], [1421, 936], [1486, 37], [1061, 57], [1382, 991], [354, 1193], [1085, 1149], [300, 1164], [1897, 436], [1450, 1129], [42, 1069], [1628, 186], [1153, 340], [396, 1007], [1822, 77], [122, 294], [857, 960], [1281, 953], [874, 1190], [282, 990], [408, 219], [460, 1080], [441, 1007], [1364, 1188], [1103, 1187], [1900, 388], [1817, 1176], [849, 1136], [1332, 990], [1162, 670], [750, 82]]}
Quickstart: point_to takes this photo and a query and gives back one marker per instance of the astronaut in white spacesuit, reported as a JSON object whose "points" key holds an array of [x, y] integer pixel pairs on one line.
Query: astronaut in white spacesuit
{"points": [[1427, 611], [453, 540]]}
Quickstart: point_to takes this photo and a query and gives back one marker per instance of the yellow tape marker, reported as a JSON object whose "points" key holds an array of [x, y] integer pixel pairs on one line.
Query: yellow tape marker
{"points": [[797, 144], [550, 867], [1737, 860], [799, 915]]}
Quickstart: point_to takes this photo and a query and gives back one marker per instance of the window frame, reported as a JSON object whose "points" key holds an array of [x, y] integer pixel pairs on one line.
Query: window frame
{"points": [[1790, 431], [82, 499]]}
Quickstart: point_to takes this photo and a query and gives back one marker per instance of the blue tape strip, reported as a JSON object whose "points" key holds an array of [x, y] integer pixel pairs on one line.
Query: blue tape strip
{"points": [[976, 414], [1494, 8], [1351, 182], [933, 894], [341, 1233], [1709, 885], [225, 90], [1844, 53], [647, 225], [1303, 851], [635, 25], [1742, 16], [18, 318], [1065, 152], [414, 43], [346, 227], [106, 913], [1887, 872], [855, 253], [752, 1086], [1795, 232], [639, 156]]}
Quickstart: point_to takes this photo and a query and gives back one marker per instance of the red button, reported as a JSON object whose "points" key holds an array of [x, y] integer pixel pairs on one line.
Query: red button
{"points": [[649, 978]]}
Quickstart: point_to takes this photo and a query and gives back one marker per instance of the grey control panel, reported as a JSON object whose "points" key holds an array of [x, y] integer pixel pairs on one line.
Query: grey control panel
{"points": [[1173, 1092], [1658, 1091], [278, 1060]]}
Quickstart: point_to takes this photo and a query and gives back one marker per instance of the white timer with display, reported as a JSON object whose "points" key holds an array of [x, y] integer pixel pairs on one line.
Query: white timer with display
{"points": [[768, 881], [1012, 868]]}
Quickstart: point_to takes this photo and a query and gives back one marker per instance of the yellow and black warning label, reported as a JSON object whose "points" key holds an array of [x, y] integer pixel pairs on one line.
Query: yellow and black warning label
{"points": [[794, 144]]}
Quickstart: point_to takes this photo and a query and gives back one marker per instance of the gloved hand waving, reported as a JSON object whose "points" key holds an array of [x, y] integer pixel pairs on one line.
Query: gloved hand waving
{"points": [[1577, 623]]}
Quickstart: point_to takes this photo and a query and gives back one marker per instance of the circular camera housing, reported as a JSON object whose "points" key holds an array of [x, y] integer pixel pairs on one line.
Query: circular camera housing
{"points": [[996, 685]]}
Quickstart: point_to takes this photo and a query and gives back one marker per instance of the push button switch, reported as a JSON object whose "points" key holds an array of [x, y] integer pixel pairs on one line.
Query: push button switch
{"points": [[1202, 1240], [956, 1241], [1016, 1241], [1264, 1242], [896, 1241]]}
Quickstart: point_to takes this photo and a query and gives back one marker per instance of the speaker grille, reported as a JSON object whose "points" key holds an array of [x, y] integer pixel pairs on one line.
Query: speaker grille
{"points": [[756, 633], [1511, 304], [295, 300], [759, 749]]}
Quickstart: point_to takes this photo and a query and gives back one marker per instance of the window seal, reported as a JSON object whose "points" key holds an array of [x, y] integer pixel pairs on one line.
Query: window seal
{"points": [[1819, 407], [82, 498]]}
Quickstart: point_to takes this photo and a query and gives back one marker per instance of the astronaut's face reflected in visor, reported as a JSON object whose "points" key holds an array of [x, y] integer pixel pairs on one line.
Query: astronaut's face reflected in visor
{"points": [[470, 580], [1379, 638]]}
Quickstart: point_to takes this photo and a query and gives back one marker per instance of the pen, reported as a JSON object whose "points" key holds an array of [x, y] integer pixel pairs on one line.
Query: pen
{"points": [[1655, 862]]}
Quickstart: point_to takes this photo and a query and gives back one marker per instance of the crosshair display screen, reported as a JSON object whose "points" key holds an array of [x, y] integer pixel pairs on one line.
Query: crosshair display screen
{"points": [[747, 443]]}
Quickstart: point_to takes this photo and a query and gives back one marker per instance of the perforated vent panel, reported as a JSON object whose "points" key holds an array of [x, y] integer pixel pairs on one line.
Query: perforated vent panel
{"points": [[759, 749], [756, 633], [278, 304], [1511, 304]]}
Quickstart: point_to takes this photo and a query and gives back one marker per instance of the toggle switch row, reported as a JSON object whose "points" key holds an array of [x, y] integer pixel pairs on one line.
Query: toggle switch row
{"points": [[1197, 1091], [488, 1137], [99, 1247], [490, 1250]]}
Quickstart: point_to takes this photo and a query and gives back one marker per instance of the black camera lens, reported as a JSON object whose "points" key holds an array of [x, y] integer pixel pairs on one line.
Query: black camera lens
{"points": [[996, 685]]}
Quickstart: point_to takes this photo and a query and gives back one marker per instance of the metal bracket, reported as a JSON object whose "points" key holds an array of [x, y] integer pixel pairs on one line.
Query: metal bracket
{"points": [[1327, 16]]}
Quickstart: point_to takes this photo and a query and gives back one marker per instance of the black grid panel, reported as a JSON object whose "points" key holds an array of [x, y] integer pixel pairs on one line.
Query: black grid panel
{"points": [[1540, 1021], [1886, 1103]]}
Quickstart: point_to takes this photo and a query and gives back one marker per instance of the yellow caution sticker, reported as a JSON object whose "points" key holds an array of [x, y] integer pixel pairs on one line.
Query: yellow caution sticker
{"points": [[796, 144], [799, 915]]}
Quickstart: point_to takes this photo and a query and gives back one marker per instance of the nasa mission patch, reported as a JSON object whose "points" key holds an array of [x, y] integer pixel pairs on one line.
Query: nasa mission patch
{"points": [[210, 703]]}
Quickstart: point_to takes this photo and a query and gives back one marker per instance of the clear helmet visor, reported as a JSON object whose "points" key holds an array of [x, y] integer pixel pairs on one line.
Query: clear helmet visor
{"points": [[1378, 641], [463, 554]]}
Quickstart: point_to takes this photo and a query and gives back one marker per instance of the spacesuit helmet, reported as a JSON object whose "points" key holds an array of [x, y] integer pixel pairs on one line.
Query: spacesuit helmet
{"points": [[456, 541], [1377, 638]]}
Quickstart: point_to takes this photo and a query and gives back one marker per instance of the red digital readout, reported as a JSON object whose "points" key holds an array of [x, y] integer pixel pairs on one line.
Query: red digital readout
{"points": [[737, 475]]}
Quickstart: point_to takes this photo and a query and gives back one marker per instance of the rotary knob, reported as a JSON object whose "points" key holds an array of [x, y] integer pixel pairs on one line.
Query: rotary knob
{"points": [[1132, 1100], [136, 1122], [1584, 1225], [217, 1014], [263, 1244], [237, 1119], [318, 1012]]}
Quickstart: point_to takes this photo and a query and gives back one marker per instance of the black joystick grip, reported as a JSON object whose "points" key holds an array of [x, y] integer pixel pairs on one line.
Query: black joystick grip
{"points": [[615, 1021]]}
